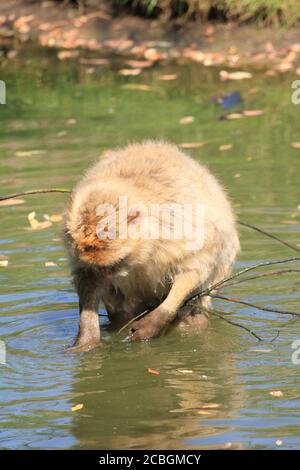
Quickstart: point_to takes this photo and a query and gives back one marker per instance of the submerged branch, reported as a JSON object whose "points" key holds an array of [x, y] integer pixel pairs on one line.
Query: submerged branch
{"points": [[258, 307], [259, 276], [270, 235]]}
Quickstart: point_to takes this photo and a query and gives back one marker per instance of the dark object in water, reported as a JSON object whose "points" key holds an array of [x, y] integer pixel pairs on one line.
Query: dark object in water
{"points": [[227, 101]]}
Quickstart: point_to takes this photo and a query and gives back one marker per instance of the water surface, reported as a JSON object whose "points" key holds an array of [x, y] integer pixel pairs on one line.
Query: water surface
{"points": [[67, 114]]}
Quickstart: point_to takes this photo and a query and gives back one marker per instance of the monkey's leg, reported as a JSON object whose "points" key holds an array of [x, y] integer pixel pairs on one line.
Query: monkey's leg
{"points": [[88, 336], [155, 322]]}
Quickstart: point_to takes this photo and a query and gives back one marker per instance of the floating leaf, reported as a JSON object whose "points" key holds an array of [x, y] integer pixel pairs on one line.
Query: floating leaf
{"points": [[129, 72], [191, 145], [276, 393], [187, 120], [210, 406], [136, 86], [62, 55], [77, 407], [3, 263], [55, 218], [166, 78], [12, 202], [185, 371], [203, 412], [225, 147], [30, 153], [141, 64], [224, 75], [253, 112], [296, 145], [153, 371], [234, 116], [279, 442], [50, 264], [35, 224]]}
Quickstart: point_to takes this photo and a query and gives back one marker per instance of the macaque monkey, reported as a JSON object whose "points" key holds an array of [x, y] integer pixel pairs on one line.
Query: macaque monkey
{"points": [[145, 228]]}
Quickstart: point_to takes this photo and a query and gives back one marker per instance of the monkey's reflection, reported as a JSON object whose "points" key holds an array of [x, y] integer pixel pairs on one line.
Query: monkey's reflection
{"points": [[126, 407]]}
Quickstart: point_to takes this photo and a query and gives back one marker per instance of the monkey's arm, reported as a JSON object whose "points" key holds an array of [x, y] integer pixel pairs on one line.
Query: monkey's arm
{"points": [[87, 286], [153, 324]]}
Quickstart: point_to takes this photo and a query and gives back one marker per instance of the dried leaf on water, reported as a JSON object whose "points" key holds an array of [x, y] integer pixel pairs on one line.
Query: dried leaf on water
{"points": [[191, 145], [225, 147], [136, 86], [77, 407], [130, 72], [253, 112], [30, 153], [167, 77], [50, 264], [210, 406], [239, 75], [187, 120], [153, 371], [185, 371], [35, 224], [296, 145], [12, 202], [3, 263], [276, 393]]}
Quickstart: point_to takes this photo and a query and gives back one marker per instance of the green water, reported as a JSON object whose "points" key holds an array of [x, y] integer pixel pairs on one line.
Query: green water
{"points": [[124, 405]]}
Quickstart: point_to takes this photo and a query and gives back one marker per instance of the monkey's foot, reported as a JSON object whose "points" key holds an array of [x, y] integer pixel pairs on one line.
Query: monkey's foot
{"points": [[149, 326], [84, 344]]}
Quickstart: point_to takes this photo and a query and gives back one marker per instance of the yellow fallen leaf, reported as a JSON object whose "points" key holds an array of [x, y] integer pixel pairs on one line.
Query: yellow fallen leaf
{"points": [[167, 77], [185, 371], [203, 412], [54, 218], [210, 406], [191, 145], [136, 86], [187, 120], [4, 263], [77, 407], [224, 75], [276, 393], [130, 72], [12, 202], [153, 371], [140, 64], [29, 153], [289, 222], [234, 116], [253, 112], [237, 175], [225, 147], [50, 264]]}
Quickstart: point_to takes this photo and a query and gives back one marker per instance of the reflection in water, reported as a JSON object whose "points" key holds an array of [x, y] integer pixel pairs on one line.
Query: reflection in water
{"points": [[69, 117], [149, 411]]}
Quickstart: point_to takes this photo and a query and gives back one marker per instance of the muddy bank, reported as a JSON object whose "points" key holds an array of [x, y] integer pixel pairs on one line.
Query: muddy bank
{"points": [[98, 30]]}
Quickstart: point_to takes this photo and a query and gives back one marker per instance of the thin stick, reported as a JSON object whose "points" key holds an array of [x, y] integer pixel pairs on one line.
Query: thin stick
{"points": [[249, 304], [231, 322], [271, 273], [131, 321], [270, 235], [34, 191], [239, 273]]}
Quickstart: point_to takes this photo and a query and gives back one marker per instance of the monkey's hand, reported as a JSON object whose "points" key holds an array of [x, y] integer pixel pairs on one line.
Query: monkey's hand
{"points": [[150, 326]]}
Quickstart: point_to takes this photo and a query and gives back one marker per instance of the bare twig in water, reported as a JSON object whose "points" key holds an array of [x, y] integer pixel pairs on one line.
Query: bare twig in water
{"points": [[259, 276], [235, 275], [219, 314], [34, 191], [131, 321], [270, 235], [258, 307]]}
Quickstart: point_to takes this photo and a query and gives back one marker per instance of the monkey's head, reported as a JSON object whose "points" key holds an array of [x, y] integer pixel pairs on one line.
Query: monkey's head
{"points": [[104, 228]]}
